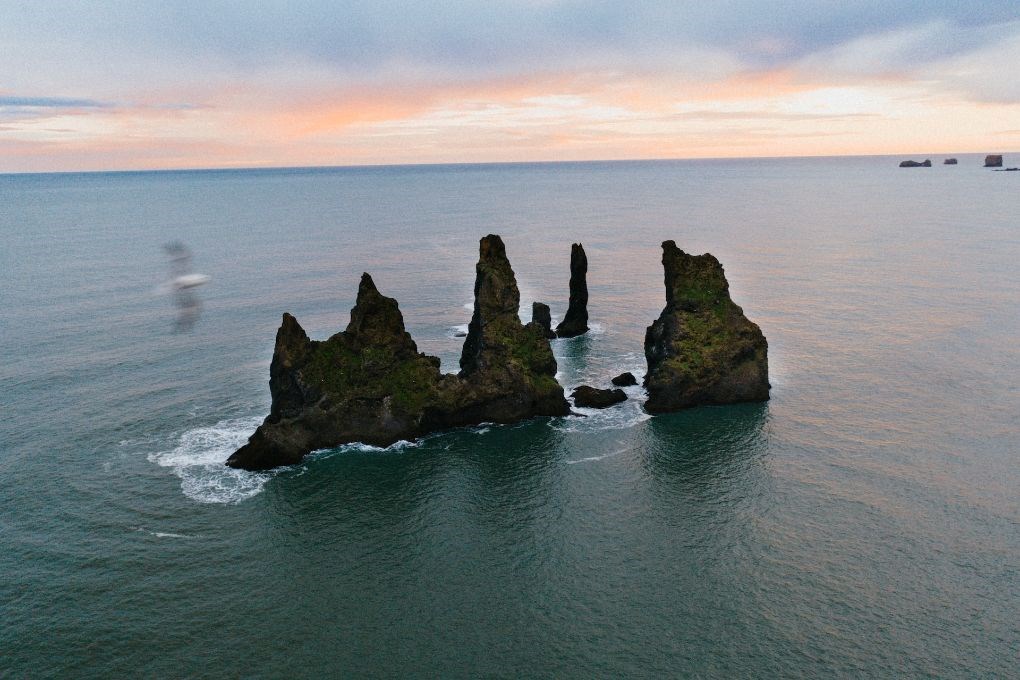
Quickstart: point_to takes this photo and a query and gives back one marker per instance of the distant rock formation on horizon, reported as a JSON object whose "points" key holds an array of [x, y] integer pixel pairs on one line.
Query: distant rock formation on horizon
{"points": [[993, 161], [575, 321], [370, 384], [950, 161], [702, 349], [916, 164]]}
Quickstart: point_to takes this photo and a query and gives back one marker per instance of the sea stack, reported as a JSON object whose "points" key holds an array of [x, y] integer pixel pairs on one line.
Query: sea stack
{"points": [[993, 161], [507, 368], [702, 349], [541, 315], [370, 384], [575, 322]]}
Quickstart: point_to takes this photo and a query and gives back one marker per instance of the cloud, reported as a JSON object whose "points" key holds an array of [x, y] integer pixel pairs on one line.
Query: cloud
{"points": [[52, 103]]}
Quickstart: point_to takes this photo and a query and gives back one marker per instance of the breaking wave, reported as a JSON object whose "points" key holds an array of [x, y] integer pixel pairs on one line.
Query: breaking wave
{"points": [[198, 460]]}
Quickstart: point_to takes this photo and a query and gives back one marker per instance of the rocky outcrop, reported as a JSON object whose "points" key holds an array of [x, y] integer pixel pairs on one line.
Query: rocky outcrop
{"points": [[950, 161], [915, 164], [592, 397], [702, 349], [370, 384], [625, 380], [541, 315], [575, 322], [993, 161]]}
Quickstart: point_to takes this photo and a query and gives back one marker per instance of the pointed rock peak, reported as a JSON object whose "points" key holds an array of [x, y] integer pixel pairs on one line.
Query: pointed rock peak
{"points": [[367, 286], [491, 248], [496, 291], [290, 334], [577, 256], [692, 281], [375, 317]]}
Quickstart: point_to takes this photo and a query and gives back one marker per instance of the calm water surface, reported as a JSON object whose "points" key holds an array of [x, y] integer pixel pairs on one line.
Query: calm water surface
{"points": [[864, 522]]}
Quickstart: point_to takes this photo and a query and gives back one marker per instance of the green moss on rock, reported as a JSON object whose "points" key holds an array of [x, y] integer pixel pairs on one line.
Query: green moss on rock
{"points": [[702, 349]]}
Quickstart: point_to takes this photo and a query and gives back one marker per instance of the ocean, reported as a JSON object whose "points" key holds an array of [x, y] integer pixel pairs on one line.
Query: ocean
{"points": [[864, 522]]}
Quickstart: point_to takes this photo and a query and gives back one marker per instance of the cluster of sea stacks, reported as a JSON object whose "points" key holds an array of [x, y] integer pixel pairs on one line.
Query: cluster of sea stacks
{"points": [[991, 161], [370, 384]]}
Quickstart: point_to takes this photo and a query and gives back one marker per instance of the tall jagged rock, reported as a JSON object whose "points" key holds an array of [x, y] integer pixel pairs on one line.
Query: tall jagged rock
{"points": [[575, 321], [541, 315], [507, 368], [702, 349], [370, 384]]}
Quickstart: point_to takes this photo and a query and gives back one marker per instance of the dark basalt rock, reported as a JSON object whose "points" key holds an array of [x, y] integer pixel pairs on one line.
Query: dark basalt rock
{"points": [[950, 161], [993, 161], [592, 397], [541, 315], [915, 164], [702, 349], [370, 384], [1008, 170], [625, 380], [575, 322]]}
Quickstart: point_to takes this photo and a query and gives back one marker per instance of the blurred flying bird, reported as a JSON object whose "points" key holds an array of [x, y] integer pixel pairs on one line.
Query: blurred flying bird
{"points": [[183, 284]]}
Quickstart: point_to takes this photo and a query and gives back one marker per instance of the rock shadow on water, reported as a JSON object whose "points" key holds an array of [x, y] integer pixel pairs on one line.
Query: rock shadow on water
{"points": [[710, 452], [502, 473]]}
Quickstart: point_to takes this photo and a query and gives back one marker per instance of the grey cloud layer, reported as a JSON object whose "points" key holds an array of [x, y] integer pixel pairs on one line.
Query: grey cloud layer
{"points": [[81, 47]]}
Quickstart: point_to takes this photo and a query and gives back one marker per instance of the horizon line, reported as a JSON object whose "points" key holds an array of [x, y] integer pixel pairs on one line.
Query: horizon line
{"points": [[254, 168]]}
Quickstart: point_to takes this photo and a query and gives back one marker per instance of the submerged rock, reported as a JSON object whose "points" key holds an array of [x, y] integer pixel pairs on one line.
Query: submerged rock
{"points": [[541, 315], [915, 164], [370, 384], [625, 380], [993, 161], [575, 322], [592, 397], [702, 349]]}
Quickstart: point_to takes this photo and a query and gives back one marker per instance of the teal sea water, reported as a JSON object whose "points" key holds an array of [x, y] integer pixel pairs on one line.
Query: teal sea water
{"points": [[864, 522]]}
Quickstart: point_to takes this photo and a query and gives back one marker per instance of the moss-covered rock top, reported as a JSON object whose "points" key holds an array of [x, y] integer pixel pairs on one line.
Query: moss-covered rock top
{"points": [[702, 349]]}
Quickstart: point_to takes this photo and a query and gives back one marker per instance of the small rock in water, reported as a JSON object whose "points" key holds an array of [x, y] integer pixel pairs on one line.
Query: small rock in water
{"points": [[592, 397], [915, 164], [993, 161], [540, 314], [625, 380], [950, 161]]}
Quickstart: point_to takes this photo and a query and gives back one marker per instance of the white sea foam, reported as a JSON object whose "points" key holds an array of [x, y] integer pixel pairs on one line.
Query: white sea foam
{"points": [[162, 534], [457, 331], [198, 460], [592, 459]]}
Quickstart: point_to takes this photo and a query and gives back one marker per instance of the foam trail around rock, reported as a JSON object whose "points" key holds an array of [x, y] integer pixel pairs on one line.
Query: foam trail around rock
{"points": [[198, 459]]}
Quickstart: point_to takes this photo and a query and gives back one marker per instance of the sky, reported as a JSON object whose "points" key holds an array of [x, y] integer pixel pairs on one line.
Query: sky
{"points": [[111, 85]]}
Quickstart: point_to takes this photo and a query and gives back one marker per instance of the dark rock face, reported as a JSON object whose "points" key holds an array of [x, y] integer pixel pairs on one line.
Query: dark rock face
{"points": [[625, 380], [993, 161], [541, 315], [950, 161], [575, 322], [370, 384], [915, 164], [591, 397], [702, 349]]}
